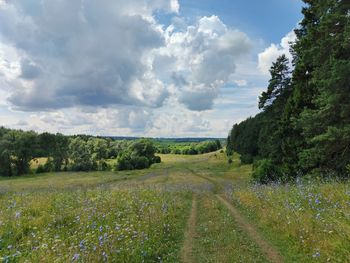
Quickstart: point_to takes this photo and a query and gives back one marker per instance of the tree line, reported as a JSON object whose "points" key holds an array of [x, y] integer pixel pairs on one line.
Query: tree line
{"points": [[74, 153], [190, 149], [303, 128]]}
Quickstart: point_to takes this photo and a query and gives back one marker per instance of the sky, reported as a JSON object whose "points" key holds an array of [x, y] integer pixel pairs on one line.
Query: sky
{"points": [[157, 68]]}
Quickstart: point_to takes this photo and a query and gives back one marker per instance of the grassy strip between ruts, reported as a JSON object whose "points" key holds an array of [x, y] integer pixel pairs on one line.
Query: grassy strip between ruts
{"points": [[218, 239]]}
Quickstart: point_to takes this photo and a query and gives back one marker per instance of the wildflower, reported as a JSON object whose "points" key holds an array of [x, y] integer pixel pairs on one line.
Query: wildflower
{"points": [[18, 214], [104, 255], [316, 254], [82, 245], [100, 239], [75, 257]]}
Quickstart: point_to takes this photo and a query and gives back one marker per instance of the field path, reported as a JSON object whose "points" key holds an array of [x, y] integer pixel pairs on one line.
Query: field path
{"points": [[270, 252], [186, 252]]}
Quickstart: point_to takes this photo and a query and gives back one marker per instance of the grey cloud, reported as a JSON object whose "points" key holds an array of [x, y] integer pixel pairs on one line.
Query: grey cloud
{"points": [[133, 118], [90, 53], [114, 55], [179, 79], [22, 123], [199, 99], [29, 70]]}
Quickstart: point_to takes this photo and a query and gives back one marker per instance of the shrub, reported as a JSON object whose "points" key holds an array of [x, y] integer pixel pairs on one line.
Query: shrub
{"points": [[103, 166], [189, 150], [246, 159], [164, 151], [176, 151], [140, 162], [124, 163], [264, 171], [142, 147], [229, 160], [40, 169], [156, 159]]}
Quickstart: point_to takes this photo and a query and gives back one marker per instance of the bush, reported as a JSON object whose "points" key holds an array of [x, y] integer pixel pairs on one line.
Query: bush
{"points": [[164, 151], [264, 171], [156, 159], [103, 166], [140, 162], [229, 160], [83, 166], [124, 163], [246, 159], [128, 162], [47, 167], [176, 151], [139, 155], [40, 169], [189, 151], [142, 147]]}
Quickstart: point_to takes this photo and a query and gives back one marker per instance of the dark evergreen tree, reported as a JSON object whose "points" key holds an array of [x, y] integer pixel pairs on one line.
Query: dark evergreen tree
{"points": [[304, 127]]}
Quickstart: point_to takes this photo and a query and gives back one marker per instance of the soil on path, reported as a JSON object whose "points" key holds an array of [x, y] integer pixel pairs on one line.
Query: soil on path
{"points": [[270, 252], [186, 254]]}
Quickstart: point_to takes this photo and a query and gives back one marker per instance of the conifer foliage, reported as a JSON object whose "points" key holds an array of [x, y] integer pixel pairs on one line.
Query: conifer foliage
{"points": [[304, 126]]}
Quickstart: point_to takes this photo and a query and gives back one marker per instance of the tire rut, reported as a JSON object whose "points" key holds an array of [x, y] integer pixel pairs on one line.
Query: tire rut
{"points": [[270, 252], [186, 252]]}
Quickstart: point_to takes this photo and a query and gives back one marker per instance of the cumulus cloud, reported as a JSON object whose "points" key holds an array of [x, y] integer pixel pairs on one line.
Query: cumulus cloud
{"points": [[84, 52], [99, 121], [241, 82], [179, 124], [270, 54], [115, 53], [202, 59], [109, 65]]}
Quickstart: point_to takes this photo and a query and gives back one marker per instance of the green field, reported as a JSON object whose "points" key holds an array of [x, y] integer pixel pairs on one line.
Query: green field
{"points": [[172, 212]]}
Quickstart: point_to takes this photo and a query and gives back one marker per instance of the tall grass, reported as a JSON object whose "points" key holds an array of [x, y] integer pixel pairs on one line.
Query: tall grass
{"points": [[309, 221], [92, 225]]}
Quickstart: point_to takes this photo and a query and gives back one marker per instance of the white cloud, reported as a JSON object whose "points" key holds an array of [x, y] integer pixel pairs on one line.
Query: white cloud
{"points": [[202, 59], [241, 82], [83, 52], [110, 68], [124, 121], [115, 53], [270, 54]]}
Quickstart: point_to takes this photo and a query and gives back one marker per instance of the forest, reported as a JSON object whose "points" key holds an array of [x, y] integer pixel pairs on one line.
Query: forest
{"points": [[19, 149], [70, 153], [188, 147], [303, 128]]}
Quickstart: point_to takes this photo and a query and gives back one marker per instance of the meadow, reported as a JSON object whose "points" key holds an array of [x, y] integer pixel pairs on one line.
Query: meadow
{"points": [[309, 221], [172, 212]]}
